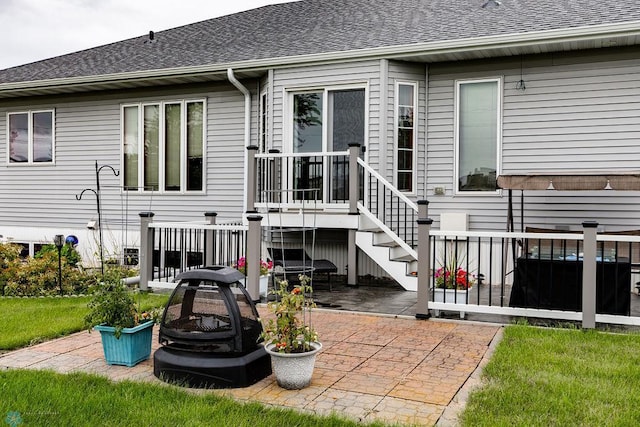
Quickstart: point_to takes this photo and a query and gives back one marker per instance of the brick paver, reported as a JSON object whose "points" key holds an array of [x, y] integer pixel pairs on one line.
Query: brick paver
{"points": [[385, 368]]}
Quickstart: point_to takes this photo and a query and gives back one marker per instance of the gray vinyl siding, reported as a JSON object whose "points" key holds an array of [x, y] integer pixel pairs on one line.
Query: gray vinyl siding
{"points": [[88, 129], [578, 113]]}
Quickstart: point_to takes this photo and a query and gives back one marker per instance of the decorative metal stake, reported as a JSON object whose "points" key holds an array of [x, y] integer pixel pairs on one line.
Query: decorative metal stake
{"points": [[97, 193]]}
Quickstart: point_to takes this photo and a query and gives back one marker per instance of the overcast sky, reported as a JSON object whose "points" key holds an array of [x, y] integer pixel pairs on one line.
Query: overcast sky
{"points": [[31, 30]]}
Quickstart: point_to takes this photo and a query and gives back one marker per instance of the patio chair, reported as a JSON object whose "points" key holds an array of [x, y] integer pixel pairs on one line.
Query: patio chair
{"points": [[295, 261]]}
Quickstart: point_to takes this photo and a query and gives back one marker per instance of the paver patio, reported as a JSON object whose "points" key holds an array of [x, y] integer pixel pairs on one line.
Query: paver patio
{"points": [[372, 367]]}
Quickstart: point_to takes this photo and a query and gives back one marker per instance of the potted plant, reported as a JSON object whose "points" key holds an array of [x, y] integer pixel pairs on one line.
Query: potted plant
{"points": [[452, 284], [125, 330], [289, 338], [265, 269]]}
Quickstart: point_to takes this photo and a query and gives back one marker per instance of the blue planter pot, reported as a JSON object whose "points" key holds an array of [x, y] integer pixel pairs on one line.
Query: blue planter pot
{"points": [[133, 346]]}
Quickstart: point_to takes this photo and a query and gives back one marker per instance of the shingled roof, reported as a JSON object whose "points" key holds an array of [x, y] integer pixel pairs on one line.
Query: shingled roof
{"points": [[317, 27]]}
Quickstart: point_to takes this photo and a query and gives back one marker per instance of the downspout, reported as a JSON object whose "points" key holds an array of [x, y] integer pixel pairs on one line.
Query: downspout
{"points": [[247, 125]]}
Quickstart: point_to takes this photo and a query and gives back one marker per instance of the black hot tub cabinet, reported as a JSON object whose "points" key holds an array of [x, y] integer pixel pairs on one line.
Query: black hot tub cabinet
{"points": [[209, 333]]}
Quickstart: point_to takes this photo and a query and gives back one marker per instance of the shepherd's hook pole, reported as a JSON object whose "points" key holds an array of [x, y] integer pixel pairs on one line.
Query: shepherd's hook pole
{"points": [[97, 194]]}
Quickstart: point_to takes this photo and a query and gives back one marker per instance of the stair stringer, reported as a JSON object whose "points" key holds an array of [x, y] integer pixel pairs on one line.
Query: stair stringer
{"points": [[381, 255]]}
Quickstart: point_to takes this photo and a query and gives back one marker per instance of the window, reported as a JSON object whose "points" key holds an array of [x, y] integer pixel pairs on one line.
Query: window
{"points": [[325, 121], [163, 146], [405, 135], [131, 256], [478, 135], [30, 137]]}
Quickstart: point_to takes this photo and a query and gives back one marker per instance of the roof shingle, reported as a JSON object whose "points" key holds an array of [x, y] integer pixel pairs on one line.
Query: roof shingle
{"points": [[322, 26]]}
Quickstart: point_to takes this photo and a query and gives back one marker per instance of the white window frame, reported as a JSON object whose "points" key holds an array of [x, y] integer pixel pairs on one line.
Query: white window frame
{"points": [[30, 161], [288, 116], [456, 154], [161, 143], [396, 109], [290, 92], [263, 125]]}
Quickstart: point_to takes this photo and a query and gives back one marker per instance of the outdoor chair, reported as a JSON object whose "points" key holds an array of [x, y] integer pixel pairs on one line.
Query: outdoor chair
{"points": [[294, 261]]}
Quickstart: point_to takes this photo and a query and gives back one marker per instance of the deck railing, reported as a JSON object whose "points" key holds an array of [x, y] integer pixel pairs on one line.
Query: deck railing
{"points": [[289, 179], [388, 207], [584, 276], [286, 180], [175, 247], [180, 247], [568, 276]]}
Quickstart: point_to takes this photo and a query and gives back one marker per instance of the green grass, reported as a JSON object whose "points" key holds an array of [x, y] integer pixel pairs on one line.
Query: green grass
{"points": [[26, 321], [559, 377], [44, 399]]}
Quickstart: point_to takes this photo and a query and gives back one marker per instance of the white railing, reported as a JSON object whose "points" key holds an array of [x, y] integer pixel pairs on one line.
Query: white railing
{"points": [[287, 180], [391, 210], [539, 275]]}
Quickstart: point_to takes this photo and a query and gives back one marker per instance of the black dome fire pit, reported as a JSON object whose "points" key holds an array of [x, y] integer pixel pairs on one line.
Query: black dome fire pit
{"points": [[209, 333]]}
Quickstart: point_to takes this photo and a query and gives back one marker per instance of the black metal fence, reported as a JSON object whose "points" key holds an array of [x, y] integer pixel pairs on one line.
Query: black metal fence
{"points": [[533, 274], [184, 246]]}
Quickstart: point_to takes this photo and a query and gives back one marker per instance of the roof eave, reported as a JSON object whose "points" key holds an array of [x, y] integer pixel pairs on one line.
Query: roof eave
{"points": [[425, 50]]}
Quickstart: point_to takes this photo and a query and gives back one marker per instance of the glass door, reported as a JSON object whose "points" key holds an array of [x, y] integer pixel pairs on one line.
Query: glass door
{"points": [[323, 122]]}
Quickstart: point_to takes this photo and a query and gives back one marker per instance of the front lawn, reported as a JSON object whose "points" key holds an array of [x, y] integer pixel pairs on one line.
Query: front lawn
{"points": [[561, 377], [27, 321]]}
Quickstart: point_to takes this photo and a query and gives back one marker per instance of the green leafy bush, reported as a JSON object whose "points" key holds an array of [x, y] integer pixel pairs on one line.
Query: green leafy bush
{"points": [[39, 277], [9, 263], [68, 252]]}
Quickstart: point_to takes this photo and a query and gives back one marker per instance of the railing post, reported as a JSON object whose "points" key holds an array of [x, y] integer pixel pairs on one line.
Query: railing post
{"points": [[590, 229], [209, 236], [352, 259], [252, 174], [275, 174], [423, 209], [145, 256], [254, 244], [354, 177], [424, 259]]}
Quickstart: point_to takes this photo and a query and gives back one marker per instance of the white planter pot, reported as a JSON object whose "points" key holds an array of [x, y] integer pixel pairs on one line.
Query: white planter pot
{"points": [[293, 371], [264, 284], [452, 296]]}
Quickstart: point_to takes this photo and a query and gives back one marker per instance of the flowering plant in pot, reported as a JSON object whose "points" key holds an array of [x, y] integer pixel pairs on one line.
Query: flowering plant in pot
{"points": [[453, 283], [454, 278], [450, 274], [289, 337], [125, 329], [265, 269], [265, 266]]}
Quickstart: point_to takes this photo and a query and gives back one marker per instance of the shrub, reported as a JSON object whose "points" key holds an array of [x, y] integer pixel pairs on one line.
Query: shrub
{"points": [[38, 276], [68, 252], [9, 263]]}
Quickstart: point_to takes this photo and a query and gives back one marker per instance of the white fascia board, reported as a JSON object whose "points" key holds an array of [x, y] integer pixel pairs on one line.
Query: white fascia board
{"points": [[587, 33]]}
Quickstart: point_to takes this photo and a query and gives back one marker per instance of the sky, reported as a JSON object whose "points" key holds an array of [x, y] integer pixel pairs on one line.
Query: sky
{"points": [[31, 30]]}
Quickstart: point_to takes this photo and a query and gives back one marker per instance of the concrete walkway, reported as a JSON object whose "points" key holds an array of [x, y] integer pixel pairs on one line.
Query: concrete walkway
{"points": [[372, 367]]}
